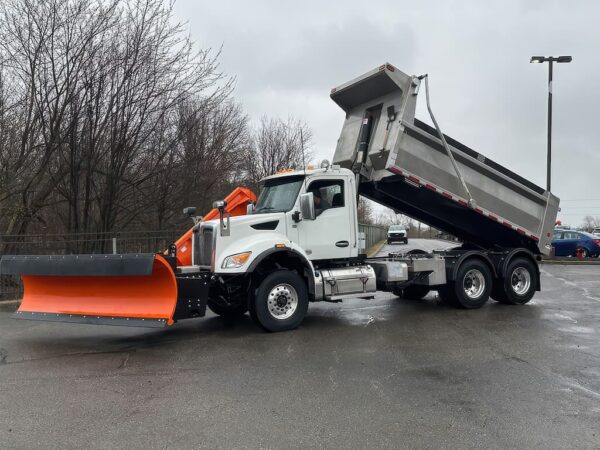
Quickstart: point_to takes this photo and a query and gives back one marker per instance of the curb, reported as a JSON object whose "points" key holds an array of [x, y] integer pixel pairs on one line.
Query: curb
{"points": [[562, 262], [9, 305], [375, 249]]}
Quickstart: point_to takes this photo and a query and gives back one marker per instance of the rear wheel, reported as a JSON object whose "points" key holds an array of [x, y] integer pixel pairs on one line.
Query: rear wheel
{"points": [[472, 286], [281, 301], [519, 285]]}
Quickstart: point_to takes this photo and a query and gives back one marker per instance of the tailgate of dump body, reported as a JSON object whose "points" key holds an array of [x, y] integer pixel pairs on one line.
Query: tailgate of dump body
{"points": [[383, 141]]}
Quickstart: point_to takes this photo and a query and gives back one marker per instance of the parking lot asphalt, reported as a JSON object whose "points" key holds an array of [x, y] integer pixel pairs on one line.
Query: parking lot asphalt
{"points": [[386, 372]]}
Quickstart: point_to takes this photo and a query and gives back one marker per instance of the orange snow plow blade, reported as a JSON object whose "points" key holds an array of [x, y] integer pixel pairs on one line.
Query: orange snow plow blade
{"points": [[133, 290]]}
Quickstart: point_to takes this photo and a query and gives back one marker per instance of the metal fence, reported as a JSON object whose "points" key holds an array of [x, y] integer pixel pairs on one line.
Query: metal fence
{"points": [[373, 234], [97, 243], [87, 243]]}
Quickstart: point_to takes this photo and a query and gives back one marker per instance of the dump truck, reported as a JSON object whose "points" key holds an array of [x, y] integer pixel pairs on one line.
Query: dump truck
{"points": [[300, 241]]}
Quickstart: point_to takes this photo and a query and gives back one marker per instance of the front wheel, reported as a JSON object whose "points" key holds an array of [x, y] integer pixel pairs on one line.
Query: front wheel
{"points": [[281, 301]]}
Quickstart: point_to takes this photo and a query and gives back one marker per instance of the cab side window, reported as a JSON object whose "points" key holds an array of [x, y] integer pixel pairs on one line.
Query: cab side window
{"points": [[327, 194]]}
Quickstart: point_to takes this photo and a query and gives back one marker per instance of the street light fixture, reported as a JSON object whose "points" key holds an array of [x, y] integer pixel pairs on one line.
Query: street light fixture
{"points": [[550, 60]]}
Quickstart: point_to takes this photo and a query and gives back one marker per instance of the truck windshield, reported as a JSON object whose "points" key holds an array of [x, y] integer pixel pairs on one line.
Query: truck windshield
{"points": [[278, 194]]}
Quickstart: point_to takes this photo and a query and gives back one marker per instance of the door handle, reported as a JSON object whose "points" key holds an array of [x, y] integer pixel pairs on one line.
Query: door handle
{"points": [[342, 244]]}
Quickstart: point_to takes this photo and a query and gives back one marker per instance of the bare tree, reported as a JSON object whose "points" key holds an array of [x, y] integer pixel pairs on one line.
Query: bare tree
{"points": [[390, 217], [590, 222], [105, 106], [204, 165], [365, 211], [277, 144]]}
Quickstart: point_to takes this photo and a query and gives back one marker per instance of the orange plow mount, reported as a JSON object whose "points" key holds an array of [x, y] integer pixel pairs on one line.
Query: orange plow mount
{"points": [[128, 289], [237, 203]]}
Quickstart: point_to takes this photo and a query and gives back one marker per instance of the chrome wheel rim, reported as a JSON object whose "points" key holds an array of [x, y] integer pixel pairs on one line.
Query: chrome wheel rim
{"points": [[474, 284], [520, 281], [282, 301]]}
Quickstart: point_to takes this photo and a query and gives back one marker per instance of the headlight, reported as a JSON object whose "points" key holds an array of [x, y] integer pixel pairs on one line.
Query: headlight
{"points": [[235, 261]]}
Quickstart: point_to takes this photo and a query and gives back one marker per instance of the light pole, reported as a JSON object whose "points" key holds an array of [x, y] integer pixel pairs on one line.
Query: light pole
{"points": [[550, 60]]}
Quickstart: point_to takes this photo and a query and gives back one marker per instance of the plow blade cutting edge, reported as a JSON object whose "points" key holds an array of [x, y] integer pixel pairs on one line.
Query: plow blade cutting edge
{"points": [[128, 289]]}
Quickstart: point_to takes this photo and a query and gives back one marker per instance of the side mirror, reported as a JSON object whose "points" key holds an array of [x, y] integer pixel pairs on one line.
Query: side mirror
{"points": [[307, 206], [250, 208], [190, 211], [220, 204], [223, 226]]}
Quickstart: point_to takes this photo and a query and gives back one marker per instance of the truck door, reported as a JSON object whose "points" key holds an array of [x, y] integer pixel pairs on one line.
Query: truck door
{"points": [[331, 234]]}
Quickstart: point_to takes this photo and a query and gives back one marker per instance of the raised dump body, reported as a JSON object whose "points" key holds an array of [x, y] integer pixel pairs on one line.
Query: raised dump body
{"points": [[404, 165]]}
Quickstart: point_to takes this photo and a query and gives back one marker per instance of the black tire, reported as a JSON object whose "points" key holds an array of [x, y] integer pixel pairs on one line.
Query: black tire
{"points": [[473, 274], [268, 302], [446, 295], [389, 241], [406, 241], [584, 252], [508, 291], [414, 291], [228, 311]]}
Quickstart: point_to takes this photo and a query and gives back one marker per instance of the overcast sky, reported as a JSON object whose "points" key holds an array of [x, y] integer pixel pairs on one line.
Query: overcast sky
{"points": [[287, 56]]}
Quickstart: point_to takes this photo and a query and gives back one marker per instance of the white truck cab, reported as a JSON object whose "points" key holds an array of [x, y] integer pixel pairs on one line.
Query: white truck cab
{"points": [[333, 231], [301, 239], [326, 230]]}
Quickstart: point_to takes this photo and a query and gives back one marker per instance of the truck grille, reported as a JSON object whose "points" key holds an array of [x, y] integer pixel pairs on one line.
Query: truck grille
{"points": [[204, 245]]}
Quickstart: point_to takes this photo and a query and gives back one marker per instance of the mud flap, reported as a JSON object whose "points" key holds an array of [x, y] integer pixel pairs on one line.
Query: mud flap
{"points": [[129, 289]]}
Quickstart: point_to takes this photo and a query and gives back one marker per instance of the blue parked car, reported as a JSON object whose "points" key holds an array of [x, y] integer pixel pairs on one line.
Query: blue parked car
{"points": [[566, 243]]}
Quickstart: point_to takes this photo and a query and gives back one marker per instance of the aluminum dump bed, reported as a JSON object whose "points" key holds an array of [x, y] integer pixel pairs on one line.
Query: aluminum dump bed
{"points": [[404, 165]]}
